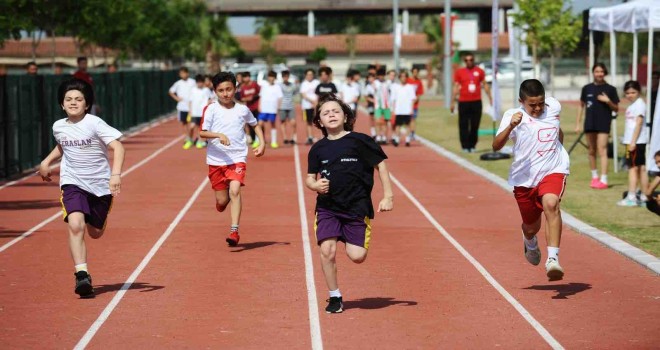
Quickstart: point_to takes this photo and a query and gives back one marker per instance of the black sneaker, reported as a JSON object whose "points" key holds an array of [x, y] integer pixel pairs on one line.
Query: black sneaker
{"points": [[335, 305], [395, 143], [292, 142], [286, 142], [84, 284], [309, 141]]}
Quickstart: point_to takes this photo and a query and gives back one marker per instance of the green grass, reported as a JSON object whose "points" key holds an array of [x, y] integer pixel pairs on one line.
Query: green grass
{"points": [[598, 208]]}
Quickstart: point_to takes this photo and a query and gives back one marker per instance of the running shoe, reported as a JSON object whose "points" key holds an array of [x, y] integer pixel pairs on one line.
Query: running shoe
{"points": [[84, 284], [292, 142], [532, 256], [233, 238], [255, 144], [286, 142], [274, 145], [200, 144], [553, 270], [627, 202], [600, 185], [187, 144], [335, 305], [395, 143], [310, 141], [407, 144], [595, 183]]}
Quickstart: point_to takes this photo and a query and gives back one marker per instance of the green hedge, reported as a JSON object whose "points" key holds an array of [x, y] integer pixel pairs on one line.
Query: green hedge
{"points": [[29, 107]]}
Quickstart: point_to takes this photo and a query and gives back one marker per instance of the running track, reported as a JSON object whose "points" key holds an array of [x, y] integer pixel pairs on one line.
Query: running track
{"points": [[445, 269]]}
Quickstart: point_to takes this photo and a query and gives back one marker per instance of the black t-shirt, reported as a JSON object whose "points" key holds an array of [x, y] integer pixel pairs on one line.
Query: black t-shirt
{"points": [[348, 163], [596, 110], [325, 88]]}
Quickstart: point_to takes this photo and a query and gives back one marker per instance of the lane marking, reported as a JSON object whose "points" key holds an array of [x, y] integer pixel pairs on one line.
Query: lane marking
{"points": [[508, 297], [84, 341], [59, 213], [312, 302], [141, 130]]}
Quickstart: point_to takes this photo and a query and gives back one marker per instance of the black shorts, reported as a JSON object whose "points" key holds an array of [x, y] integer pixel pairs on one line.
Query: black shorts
{"points": [[308, 115], [599, 124], [402, 120], [196, 120], [183, 117], [636, 157], [96, 209]]}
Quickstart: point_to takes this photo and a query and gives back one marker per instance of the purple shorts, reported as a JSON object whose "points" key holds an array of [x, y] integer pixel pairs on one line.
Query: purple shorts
{"points": [[345, 227], [96, 209]]}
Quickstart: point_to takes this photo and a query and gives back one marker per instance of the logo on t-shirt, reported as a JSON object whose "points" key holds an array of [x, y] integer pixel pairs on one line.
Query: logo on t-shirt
{"points": [[76, 143], [547, 134]]}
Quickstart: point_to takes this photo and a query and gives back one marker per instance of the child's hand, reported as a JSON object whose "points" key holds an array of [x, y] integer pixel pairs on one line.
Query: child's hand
{"points": [[516, 118], [224, 140], [259, 151], [115, 185], [44, 172], [386, 204], [603, 97], [632, 147], [322, 186]]}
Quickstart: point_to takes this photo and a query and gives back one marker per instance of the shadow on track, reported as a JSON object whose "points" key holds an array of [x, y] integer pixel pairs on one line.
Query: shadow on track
{"points": [[142, 287], [376, 303], [25, 205], [563, 290], [255, 245]]}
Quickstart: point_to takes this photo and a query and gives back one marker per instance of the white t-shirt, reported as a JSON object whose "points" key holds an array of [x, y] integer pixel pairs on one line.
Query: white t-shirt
{"points": [[199, 98], [403, 98], [183, 88], [537, 151], [634, 111], [307, 88], [350, 92], [230, 122], [85, 153], [269, 97]]}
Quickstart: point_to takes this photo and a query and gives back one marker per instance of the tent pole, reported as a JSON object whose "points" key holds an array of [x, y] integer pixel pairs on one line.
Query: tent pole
{"points": [[633, 74], [615, 136], [591, 55], [649, 68]]}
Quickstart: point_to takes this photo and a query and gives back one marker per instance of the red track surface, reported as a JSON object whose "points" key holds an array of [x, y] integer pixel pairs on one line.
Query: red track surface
{"points": [[414, 291]]}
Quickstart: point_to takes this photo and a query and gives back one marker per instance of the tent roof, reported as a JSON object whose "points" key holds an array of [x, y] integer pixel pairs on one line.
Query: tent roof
{"points": [[638, 15]]}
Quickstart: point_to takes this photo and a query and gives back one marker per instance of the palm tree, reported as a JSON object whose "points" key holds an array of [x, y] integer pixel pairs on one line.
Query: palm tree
{"points": [[217, 41], [268, 31]]}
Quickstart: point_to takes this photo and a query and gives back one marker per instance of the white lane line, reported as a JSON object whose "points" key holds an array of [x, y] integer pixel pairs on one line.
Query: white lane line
{"points": [[84, 341], [312, 302], [59, 214], [516, 305], [140, 130]]}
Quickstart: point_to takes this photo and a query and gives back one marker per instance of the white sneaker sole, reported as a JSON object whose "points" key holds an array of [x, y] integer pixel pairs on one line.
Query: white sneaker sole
{"points": [[555, 274]]}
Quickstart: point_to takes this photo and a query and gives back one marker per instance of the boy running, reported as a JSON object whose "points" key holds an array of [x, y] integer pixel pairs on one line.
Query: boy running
{"points": [[180, 92], [223, 124], [200, 97], [250, 97], [287, 113], [87, 183], [308, 99], [270, 98], [345, 161], [539, 170]]}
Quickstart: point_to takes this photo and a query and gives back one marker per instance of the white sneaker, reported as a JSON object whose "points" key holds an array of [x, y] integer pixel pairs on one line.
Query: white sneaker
{"points": [[533, 256], [627, 202], [553, 270]]}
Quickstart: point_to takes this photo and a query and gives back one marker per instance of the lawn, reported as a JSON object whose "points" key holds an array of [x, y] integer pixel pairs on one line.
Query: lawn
{"points": [[598, 208]]}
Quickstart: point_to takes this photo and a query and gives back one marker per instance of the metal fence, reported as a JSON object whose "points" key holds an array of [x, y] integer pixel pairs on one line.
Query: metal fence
{"points": [[29, 107]]}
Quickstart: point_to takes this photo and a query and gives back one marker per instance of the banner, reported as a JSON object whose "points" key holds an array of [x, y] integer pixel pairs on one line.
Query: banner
{"points": [[495, 92]]}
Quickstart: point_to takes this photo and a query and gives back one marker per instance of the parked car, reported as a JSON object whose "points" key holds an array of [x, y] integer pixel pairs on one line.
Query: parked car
{"points": [[506, 74], [259, 72]]}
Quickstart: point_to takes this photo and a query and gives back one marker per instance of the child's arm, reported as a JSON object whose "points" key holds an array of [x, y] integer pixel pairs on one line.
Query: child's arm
{"points": [[501, 138], [638, 130], [175, 97], [321, 185], [117, 164], [224, 140], [561, 136], [578, 120], [387, 203], [259, 151], [652, 186], [44, 167]]}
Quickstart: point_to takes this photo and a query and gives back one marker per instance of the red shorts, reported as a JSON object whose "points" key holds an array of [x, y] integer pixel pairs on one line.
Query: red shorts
{"points": [[222, 175], [529, 199]]}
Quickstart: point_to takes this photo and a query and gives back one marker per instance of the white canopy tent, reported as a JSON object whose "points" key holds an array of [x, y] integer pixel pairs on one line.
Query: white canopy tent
{"points": [[631, 17]]}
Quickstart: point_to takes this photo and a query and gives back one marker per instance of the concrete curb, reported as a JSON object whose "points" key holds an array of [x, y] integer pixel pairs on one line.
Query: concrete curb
{"points": [[641, 257]]}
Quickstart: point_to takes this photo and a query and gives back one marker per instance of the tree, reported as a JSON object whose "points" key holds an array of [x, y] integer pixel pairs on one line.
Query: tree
{"points": [[215, 41], [333, 24], [351, 41], [561, 36], [268, 32], [319, 54]]}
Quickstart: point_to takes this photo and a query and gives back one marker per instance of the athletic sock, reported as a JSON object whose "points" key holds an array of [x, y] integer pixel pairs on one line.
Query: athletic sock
{"points": [[531, 244], [407, 138], [273, 136], [603, 179], [553, 252], [335, 293], [234, 228], [594, 174], [373, 131], [81, 267]]}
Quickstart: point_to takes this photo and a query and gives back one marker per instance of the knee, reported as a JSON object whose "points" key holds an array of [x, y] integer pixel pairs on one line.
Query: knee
{"points": [[358, 258], [76, 227], [94, 232], [234, 193], [551, 205], [328, 252]]}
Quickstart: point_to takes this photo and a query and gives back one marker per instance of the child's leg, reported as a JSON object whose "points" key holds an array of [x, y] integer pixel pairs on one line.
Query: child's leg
{"points": [[553, 222], [273, 132], [643, 178], [77, 237], [221, 200], [329, 262], [356, 253], [235, 199], [591, 142], [633, 173], [283, 123], [602, 140], [292, 121]]}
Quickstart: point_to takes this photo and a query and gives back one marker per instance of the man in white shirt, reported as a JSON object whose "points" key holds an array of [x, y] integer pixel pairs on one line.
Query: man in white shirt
{"points": [[180, 92], [539, 170]]}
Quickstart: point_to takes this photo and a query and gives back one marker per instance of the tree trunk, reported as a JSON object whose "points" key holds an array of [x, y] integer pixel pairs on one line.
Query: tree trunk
{"points": [[552, 73], [537, 64], [53, 52], [209, 60]]}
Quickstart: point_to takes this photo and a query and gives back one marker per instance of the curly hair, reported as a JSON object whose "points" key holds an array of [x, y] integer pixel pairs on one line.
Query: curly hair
{"points": [[348, 113]]}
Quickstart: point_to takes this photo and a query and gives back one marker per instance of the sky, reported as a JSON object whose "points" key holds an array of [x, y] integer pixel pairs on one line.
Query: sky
{"points": [[246, 25]]}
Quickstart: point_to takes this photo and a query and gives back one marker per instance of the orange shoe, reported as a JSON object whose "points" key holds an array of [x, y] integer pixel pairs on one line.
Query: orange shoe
{"points": [[233, 239]]}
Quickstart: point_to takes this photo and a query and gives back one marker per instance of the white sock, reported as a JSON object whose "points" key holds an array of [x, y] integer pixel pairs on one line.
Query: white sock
{"points": [[594, 174], [335, 293], [603, 178], [81, 267], [553, 252], [373, 131], [407, 138], [531, 244], [273, 136]]}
